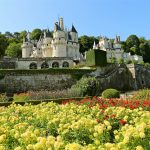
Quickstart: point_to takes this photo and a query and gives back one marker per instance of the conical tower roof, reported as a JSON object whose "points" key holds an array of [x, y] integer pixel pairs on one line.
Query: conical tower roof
{"points": [[73, 29]]}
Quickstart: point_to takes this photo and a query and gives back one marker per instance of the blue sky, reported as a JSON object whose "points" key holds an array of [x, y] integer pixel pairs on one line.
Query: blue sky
{"points": [[90, 17]]}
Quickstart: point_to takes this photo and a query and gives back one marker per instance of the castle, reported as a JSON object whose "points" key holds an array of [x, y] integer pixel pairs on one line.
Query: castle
{"points": [[62, 43], [114, 50], [58, 50]]}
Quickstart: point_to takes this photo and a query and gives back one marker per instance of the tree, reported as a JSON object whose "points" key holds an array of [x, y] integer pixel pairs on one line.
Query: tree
{"points": [[86, 43], [14, 50], [3, 44], [133, 43], [23, 34], [124, 46], [8, 34], [16, 35], [35, 34]]}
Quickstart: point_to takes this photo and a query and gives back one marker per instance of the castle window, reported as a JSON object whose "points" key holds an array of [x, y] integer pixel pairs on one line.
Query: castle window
{"points": [[55, 65], [44, 65], [65, 64], [47, 44], [33, 66]]}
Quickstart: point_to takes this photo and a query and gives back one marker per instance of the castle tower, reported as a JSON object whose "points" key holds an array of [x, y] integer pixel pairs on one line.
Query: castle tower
{"points": [[61, 24], [27, 47], [74, 34], [59, 41], [46, 45]]}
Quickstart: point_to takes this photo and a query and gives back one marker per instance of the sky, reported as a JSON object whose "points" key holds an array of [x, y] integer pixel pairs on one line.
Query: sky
{"points": [[90, 17]]}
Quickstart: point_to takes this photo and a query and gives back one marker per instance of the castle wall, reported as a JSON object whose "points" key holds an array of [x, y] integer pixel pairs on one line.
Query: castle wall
{"points": [[121, 77], [25, 63], [22, 83]]}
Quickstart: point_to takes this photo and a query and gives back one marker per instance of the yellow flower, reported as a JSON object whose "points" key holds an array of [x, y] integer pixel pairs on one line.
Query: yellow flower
{"points": [[139, 148], [107, 123], [2, 138], [142, 135], [18, 148], [74, 146], [109, 127], [97, 142]]}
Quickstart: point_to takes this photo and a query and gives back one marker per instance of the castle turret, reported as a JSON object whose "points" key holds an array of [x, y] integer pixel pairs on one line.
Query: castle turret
{"points": [[27, 47], [61, 24], [46, 45], [59, 40], [74, 34]]}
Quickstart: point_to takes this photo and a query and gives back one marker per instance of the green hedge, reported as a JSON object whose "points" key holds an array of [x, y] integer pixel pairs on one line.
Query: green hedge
{"points": [[96, 57], [45, 71], [36, 102], [110, 93]]}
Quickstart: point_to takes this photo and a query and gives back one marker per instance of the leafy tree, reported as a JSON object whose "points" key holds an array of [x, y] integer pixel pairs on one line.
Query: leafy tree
{"points": [[23, 34], [3, 44], [86, 43], [16, 35], [35, 34], [133, 43], [124, 46], [8, 34], [142, 39], [121, 61], [14, 50]]}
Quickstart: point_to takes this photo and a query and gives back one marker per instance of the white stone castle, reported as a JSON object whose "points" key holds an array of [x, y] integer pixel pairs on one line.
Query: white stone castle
{"points": [[114, 50], [60, 49]]}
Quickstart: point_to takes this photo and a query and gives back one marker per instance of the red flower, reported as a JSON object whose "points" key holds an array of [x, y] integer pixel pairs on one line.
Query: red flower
{"points": [[122, 122], [98, 120]]}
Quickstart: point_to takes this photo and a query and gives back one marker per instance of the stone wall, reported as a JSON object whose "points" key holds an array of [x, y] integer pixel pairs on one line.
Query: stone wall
{"points": [[22, 83], [121, 77]]}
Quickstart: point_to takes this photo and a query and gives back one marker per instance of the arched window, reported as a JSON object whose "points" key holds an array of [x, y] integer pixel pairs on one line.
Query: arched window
{"points": [[55, 65], [33, 66], [65, 64], [44, 65]]}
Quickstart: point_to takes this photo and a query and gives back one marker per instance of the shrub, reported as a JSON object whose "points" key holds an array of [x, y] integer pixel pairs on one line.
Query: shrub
{"points": [[3, 97], [110, 93], [147, 65], [86, 86], [142, 95], [128, 61], [22, 97], [121, 61]]}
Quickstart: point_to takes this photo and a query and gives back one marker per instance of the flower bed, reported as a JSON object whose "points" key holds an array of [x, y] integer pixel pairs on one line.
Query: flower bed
{"points": [[99, 124]]}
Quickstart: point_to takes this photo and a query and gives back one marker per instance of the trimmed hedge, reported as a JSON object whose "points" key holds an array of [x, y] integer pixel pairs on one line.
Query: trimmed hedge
{"points": [[96, 57], [36, 102], [45, 71], [110, 93]]}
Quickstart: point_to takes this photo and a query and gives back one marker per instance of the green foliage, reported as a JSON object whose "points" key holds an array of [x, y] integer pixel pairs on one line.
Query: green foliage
{"points": [[135, 62], [23, 97], [86, 43], [81, 136], [86, 86], [14, 50], [35, 34], [142, 95], [128, 61], [3, 97], [47, 71], [3, 44], [133, 43], [111, 93], [147, 65], [121, 61], [96, 58]]}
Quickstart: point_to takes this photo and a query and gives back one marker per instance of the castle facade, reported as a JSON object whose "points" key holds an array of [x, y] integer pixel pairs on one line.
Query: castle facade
{"points": [[114, 50], [60, 49]]}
